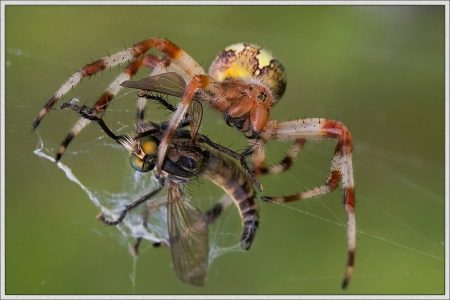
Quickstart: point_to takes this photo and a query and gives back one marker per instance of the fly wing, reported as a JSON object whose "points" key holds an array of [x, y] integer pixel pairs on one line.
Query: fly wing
{"points": [[195, 112], [169, 83], [188, 237], [172, 84]]}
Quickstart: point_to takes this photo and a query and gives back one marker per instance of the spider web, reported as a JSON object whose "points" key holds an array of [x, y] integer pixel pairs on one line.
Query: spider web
{"points": [[221, 239], [223, 236], [224, 240]]}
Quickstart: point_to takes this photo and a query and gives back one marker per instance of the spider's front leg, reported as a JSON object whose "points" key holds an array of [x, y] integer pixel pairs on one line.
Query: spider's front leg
{"points": [[156, 64], [100, 105], [197, 82], [180, 58], [341, 169]]}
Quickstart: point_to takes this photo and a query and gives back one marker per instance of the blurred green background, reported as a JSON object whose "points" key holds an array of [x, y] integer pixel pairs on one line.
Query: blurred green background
{"points": [[379, 69]]}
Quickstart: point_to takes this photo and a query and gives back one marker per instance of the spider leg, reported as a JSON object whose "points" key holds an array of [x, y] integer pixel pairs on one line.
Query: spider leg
{"points": [[90, 114], [341, 169], [259, 164], [158, 66], [140, 111], [179, 57], [101, 104], [197, 82]]}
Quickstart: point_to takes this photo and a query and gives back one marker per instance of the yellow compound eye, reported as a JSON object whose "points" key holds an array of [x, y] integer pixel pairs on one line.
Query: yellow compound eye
{"points": [[142, 165], [149, 146], [247, 61]]}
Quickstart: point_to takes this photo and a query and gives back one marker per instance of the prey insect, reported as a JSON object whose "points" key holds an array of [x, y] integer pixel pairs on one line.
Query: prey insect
{"points": [[243, 83], [186, 161]]}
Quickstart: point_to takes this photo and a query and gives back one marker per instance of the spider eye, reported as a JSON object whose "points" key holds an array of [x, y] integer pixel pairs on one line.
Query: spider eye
{"points": [[142, 165]]}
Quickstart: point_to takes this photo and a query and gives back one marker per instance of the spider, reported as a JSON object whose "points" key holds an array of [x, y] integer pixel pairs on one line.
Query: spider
{"points": [[243, 83]]}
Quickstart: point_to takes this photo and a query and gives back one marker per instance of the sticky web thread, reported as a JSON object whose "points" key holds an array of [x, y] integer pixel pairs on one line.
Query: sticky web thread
{"points": [[222, 239]]}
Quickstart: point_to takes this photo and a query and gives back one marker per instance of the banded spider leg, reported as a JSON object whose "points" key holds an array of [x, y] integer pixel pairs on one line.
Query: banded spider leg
{"points": [[175, 59], [341, 170]]}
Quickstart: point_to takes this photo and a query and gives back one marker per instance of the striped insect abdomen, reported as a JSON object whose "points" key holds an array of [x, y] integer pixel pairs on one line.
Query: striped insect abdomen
{"points": [[229, 176]]}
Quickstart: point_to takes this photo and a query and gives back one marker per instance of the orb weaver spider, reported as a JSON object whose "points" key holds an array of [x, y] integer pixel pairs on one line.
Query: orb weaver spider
{"points": [[243, 83]]}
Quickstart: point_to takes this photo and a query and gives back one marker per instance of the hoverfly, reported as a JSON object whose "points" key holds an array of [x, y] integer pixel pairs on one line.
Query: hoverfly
{"points": [[185, 162]]}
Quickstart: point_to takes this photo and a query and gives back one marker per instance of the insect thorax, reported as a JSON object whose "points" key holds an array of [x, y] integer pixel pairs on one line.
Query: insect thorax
{"points": [[185, 161], [250, 62]]}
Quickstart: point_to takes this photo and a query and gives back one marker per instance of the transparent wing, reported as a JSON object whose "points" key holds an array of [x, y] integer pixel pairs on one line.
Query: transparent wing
{"points": [[195, 112], [188, 237], [166, 83], [172, 84]]}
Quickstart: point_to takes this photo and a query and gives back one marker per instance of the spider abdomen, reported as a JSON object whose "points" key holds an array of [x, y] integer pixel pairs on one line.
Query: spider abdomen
{"points": [[250, 63]]}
